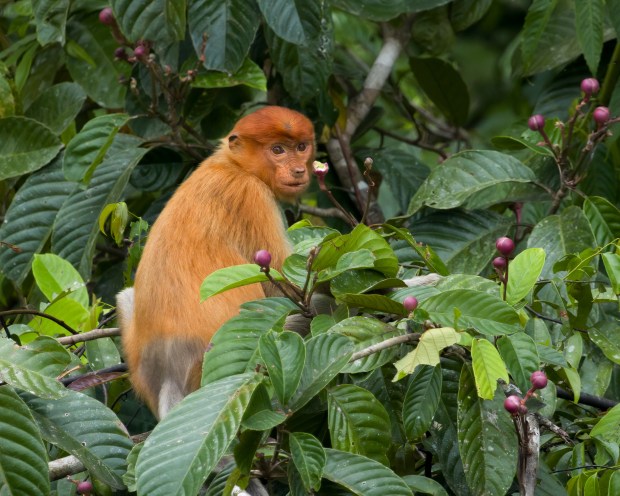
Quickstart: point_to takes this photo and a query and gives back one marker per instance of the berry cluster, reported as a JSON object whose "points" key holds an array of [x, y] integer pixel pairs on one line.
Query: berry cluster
{"points": [[515, 405], [505, 246]]}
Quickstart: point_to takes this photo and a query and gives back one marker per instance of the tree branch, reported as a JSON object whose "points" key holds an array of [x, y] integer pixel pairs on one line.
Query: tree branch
{"points": [[90, 336]]}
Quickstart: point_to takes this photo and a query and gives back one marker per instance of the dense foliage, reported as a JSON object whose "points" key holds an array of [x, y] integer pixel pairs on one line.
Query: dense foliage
{"points": [[482, 120]]}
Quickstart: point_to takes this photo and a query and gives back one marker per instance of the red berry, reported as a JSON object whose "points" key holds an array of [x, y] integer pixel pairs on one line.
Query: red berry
{"points": [[262, 258], [410, 303], [499, 263], [140, 51], [106, 16], [505, 245], [536, 122], [590, 86], [601, 115], [538, 379], [512, 404], [522, 409], [84, 487]]}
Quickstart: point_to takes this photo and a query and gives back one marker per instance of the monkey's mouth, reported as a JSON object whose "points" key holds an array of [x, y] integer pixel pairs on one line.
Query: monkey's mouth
{"points": [[297, 185]]}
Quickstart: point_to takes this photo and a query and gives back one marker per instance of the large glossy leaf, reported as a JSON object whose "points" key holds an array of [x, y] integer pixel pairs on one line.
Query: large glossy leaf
{"points": [[427, 352], [34, 367], [606, 336], [235, 343], [464, 13], [604, 218], [284, 355], [23, 458], [99, 73], [88, 148], [488, 368], [187, 444], [363, 476], [476, 179], [421, 400], [444, 86], [309, 458], [295, 21], [27, 146], [463, 240], [380, 10], [232, 277], [29, 220], [538, 17], [228, 27], [612, 266], [521, 356], [249, 74], [326, 356], [487, 314], [487, 439], [51, 17], [57, 106], [161, 20], [353, 260], [607, 428], [523, 273], [589, 18], [76, 229], [426, 253], [84, 427], [55, 276], [559, 235], [358, 422]]}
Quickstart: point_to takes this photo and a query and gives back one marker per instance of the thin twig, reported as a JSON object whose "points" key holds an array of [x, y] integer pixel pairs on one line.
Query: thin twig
{"points": [[383, 345], [90, 336], [26, 311]]}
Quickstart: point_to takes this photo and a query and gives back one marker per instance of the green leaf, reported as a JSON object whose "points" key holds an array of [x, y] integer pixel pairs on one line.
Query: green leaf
{"points": [[608, 428], [427, 352], [358, 422], [161, 20], [55, 276], [488, 368], [379, 10], [361, 238], [7, 100], [606, 336], [51, 17], [467, 12], [364, 332], [187, 444], [523, 273], [486, 313], [353, 260], [229, 27], [537, 20], [521, 356], [98, 74], [363, 476], [27, 146], [265, 420], [444, 86], [94, 435], [560, 235], [426, 253], [284, 355], [476, 179], [249, 74], [512, 143], [76, 230], [309, 458], [374, 302], [326, 356], [57, 106], [88, 148], [604, 218], [29, 221], [295, 21], [235, 343], [421, 400], [487, 439], [34, 367], [234, 277], [23, 457], [612, 266], [589, 17]]}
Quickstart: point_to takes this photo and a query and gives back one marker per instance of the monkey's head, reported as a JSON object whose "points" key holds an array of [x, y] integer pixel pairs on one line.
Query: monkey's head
{"points": [[275, 144]]}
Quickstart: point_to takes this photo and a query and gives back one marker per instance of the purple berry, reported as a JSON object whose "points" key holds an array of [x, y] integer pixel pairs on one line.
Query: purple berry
{"points": [[601, 115], [410, 303], [120, 53], [536, 122], [84, 487], [140, 51], [538, 379], [522, 409], [505, 245], [262, 258], [499, 263], [320, 169], [590, 86], [106, 16], [512, 404]]}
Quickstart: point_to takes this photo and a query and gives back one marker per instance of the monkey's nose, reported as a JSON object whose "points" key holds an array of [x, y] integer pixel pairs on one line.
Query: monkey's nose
{"points": [[299, 172]]}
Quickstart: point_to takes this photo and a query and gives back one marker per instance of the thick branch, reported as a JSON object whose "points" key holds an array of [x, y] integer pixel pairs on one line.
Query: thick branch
{"points": [[383, 345], [90, 336]]}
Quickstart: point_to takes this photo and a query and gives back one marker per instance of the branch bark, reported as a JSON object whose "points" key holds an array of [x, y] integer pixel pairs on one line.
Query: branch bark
{"points": [[90, 336]]}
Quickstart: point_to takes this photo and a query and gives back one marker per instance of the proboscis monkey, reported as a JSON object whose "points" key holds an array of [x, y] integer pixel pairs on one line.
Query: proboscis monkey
{"points": [[220, 216]]}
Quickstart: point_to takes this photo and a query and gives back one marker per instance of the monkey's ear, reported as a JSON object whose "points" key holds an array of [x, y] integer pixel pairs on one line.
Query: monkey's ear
{"points": [[233, 141]]}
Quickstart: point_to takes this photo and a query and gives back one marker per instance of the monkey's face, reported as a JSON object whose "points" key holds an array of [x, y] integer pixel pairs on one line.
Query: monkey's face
{"points": [[291, 162]]}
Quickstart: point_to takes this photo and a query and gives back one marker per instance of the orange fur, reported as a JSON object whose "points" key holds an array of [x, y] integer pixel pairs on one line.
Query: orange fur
{"points": [[219, 217]]}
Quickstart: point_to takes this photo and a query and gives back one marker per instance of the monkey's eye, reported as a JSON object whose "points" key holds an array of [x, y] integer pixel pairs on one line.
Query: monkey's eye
{"points": [[301, 147], [277, 149]]}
